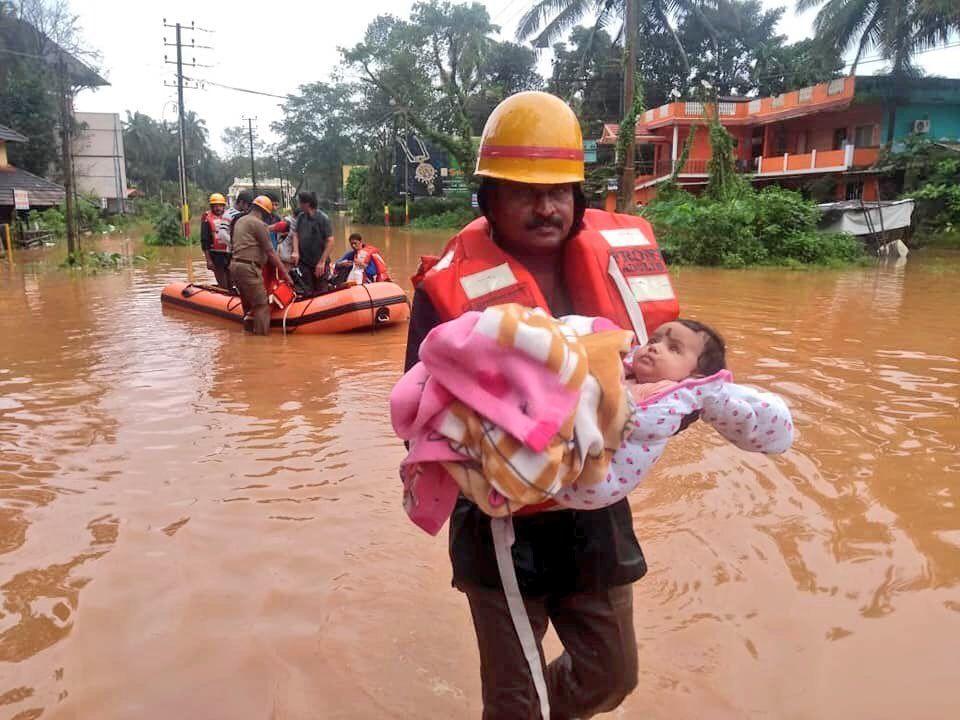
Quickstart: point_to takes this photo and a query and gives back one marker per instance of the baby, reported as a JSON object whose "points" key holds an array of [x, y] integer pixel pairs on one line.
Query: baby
{"points": [[678, 376], [676, 351]]}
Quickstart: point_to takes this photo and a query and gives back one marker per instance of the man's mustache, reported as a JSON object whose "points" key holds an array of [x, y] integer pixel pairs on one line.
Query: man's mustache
{"points": [[551, 221]]}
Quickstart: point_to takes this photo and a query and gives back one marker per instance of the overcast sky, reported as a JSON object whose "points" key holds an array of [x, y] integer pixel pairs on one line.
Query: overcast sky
{"points": [[276, 54]]}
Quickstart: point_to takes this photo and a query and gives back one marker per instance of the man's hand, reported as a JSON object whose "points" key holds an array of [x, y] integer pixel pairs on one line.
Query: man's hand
{"points": [[295, 258], [318, 270]]}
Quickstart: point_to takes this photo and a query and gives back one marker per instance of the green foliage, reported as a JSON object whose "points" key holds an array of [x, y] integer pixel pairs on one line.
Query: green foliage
{"points": [[724, 182], [166, 226], [54, 220], [930, 174], [771, 227], [430, 206], [449, 219], [94, 261], [28, 105]]}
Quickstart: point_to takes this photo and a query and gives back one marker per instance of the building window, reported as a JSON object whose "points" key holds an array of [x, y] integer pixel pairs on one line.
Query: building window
{"points": [[863, 136], [839, 138], [754, 106], [854, 191]]}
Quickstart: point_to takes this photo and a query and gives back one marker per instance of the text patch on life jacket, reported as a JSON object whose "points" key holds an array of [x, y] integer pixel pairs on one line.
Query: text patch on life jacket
{"points": [[645, 272]]}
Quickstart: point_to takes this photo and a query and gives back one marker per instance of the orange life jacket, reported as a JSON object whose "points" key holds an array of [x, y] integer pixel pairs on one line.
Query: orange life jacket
{"points": [[279, 292], [613, 268], [217, 239], [368, 253]]}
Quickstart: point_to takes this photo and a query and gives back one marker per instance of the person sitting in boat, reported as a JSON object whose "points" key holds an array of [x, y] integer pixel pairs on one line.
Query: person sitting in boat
{"points": [[366, 257], [284, 231], [215, 242]]}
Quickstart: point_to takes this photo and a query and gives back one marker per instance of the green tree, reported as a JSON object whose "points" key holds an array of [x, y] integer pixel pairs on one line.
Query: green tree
{"points": [[324, 128], [149, 146], [429, 68], [778, 68], [28, 105]]}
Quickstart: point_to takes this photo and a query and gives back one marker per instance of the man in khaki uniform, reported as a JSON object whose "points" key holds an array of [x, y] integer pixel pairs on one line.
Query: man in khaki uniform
{"points": [[252, 249]]}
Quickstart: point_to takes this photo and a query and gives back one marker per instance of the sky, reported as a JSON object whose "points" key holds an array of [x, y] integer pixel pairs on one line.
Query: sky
{"points": [[278, 53]]}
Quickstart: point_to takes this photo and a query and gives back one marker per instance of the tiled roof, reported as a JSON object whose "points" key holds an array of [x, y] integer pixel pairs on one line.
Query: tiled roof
{"points": [[10, 135], [40, 192]]}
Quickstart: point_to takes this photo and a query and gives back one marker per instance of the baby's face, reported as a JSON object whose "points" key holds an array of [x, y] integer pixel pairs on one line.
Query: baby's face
{"points": [[671, 353]]}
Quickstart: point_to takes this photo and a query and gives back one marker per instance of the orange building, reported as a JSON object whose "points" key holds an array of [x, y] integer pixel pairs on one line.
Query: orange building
{"points": [[824, 130]]}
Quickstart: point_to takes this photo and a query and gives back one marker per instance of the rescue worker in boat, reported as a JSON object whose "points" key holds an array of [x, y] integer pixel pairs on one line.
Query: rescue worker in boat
{"points": [[367, 257], [538, 245], [251, 251], [312, 243], [214, 240]]}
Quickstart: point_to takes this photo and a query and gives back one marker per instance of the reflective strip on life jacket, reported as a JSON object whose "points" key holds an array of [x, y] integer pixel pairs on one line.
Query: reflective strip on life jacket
{"points": [[474, 273]]}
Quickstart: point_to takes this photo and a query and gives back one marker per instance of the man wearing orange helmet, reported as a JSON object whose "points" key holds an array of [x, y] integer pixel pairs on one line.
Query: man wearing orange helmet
{"points": [[252, 249], [539, 245], [214, 240]]}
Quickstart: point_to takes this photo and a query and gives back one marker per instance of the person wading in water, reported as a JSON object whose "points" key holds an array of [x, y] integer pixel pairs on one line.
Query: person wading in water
{"points": [[538, 245]]}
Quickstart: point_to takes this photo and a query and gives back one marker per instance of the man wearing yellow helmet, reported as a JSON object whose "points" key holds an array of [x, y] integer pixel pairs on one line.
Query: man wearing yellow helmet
{"points": [[213, 240], [539, 245], [252, 249]]}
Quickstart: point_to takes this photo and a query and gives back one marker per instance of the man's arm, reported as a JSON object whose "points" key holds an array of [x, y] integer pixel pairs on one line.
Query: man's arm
{"points": [[206, 241], [295, 254], [423, 319]]}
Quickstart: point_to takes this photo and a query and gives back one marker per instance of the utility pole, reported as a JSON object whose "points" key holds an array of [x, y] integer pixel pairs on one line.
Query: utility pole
{"points": [[182, 153], [253, 167], [66, 152]]}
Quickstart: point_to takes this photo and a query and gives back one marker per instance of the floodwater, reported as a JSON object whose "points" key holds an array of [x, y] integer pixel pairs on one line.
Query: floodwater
{"points": [[198, 524]]}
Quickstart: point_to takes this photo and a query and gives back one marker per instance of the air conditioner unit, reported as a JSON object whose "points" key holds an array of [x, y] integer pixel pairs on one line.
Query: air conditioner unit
{"points": [[921, 127]]}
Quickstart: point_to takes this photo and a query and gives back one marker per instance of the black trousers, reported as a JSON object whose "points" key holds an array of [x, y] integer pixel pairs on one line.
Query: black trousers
{"points": [[595, 673]]}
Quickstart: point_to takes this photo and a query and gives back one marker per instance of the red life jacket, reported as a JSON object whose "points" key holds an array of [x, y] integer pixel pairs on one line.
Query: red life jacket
{"points": [[613, 266], [368, 253], [217, 238]]}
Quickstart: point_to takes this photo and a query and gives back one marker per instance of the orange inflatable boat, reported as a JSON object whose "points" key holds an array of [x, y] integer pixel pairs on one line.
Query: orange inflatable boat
{"points": [[371, 305]]}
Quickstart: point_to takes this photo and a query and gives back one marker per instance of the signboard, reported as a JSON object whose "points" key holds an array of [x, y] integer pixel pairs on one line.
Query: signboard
{"points": [[589, 151], [419, 167], [21, 199]]}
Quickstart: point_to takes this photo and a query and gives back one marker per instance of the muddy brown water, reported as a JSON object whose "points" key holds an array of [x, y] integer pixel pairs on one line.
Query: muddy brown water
{"points": [[198, 524]]}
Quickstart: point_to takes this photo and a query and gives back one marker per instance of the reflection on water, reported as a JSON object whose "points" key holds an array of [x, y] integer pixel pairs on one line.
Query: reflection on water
{"points": [[195, 523]]}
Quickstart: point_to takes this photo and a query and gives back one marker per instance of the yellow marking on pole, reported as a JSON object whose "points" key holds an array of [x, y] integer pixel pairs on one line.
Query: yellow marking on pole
{"points": [[6, 231]]}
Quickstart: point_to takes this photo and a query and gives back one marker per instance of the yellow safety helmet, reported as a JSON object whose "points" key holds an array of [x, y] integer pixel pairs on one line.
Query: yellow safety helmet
{"points": [[532, 137], [217, 199], [264, 203]]}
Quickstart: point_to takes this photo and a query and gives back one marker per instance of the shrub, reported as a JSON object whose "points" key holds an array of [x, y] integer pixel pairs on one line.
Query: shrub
{"points": [[773, 226], [166, 226], [446, 220]]}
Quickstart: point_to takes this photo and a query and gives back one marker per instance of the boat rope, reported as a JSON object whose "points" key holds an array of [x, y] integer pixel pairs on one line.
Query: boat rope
{"points": [[286, 310], [373, 310]]}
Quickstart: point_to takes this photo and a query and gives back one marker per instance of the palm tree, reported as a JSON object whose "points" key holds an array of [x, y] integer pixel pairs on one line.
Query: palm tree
{"points": [[898, 29], [548, 21]]}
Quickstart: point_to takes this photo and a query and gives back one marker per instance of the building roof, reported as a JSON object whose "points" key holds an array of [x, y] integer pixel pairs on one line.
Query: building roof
{"points": [[11, 135], [41, 192], [22, 37]]}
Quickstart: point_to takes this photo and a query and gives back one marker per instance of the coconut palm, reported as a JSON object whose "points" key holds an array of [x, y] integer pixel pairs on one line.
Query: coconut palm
{"points": [[897, 29], [549, 20]]}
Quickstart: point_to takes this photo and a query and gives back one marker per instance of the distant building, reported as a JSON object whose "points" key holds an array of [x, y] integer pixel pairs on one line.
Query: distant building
{"points": [[20, 189], [832, 130], [99, 164], [277, 187]]}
